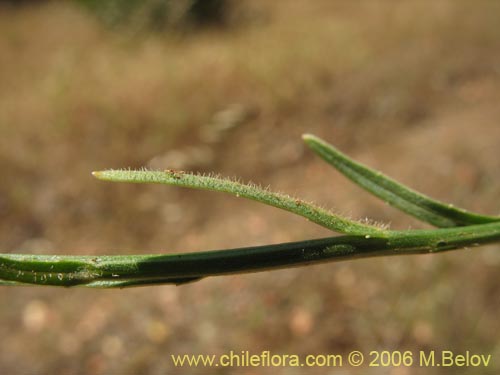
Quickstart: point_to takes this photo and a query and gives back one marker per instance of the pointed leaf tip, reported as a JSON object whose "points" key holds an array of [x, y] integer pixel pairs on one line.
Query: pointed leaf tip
{"points": [[308, 137], [100, 175]]}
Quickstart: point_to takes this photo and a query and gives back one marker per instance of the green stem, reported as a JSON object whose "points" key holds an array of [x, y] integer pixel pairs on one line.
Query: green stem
{"points": [[362, 240], [138, 270]]}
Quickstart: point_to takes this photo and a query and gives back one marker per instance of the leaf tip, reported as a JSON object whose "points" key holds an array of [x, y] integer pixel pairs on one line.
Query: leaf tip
{"points": [[100, 175], [307, 137], [311, 139]]}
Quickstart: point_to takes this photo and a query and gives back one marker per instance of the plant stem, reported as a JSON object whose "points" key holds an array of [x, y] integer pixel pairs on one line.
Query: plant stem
{"points": [[465, 229], [138, 270]]}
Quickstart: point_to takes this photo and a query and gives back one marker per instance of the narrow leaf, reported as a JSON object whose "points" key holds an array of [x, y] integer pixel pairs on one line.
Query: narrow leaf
{"points": [[311, 212], [394, 193]]}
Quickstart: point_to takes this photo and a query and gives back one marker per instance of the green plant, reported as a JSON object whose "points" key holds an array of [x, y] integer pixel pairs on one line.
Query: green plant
{"points": [[458, 229]]}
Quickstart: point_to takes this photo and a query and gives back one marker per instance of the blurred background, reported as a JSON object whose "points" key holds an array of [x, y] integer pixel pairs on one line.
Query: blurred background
{"points": [[411, 88]]}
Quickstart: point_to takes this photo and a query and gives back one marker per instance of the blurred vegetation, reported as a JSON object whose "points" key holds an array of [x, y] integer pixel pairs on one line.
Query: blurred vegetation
{"points": [[159, 14]]}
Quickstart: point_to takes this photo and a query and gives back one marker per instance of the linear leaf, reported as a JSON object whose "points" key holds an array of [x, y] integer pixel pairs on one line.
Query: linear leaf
{"points": [[313, 213], [395, 193]]}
